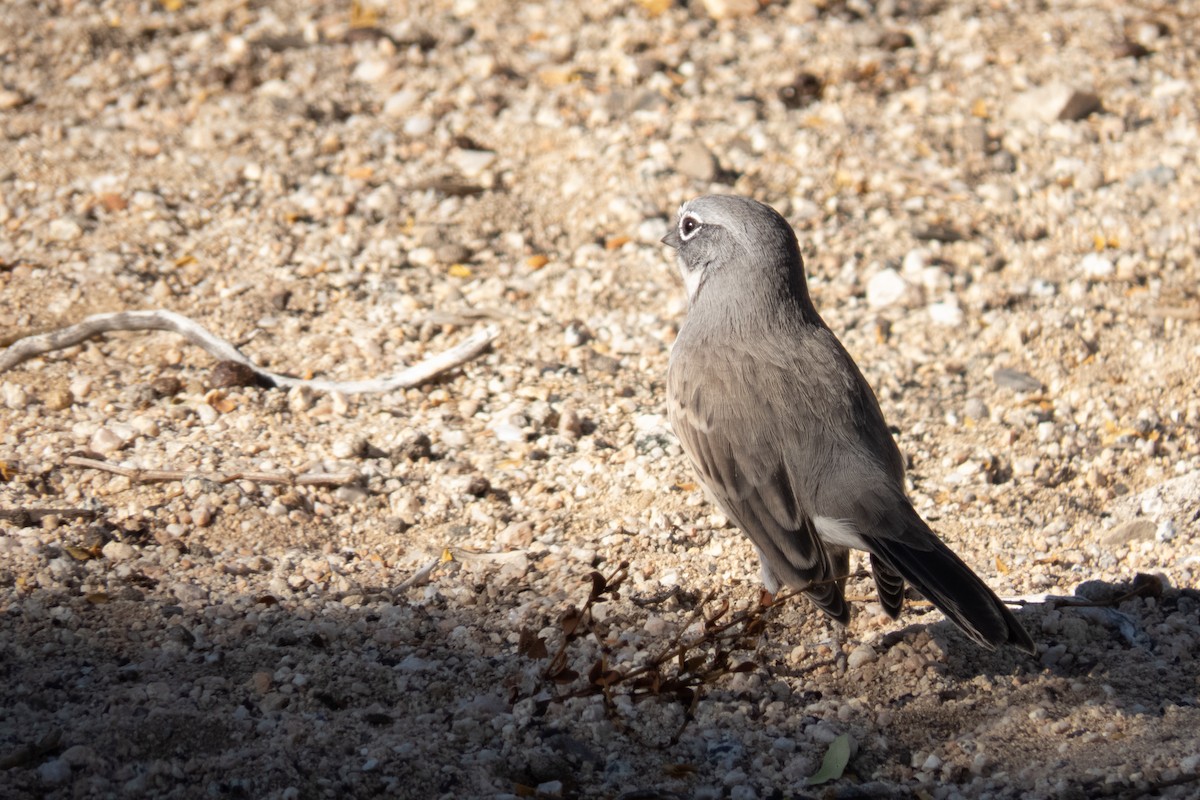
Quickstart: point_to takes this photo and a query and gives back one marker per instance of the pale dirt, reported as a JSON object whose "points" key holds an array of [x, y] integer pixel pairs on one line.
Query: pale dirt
{"points": [[344, 201]]}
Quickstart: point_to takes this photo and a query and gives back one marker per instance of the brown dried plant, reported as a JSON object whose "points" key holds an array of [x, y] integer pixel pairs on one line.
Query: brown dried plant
{"points": [[678, 670]]}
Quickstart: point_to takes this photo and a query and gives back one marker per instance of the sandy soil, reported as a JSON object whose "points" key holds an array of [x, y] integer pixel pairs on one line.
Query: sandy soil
{"points": [[998, 206]]}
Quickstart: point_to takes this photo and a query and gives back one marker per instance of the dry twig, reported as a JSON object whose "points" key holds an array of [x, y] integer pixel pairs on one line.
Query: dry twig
{"points": [[162, 475], [24, 517], [160, 320], [700, 652], [28, 753], [1143, 585], [420, 577]]}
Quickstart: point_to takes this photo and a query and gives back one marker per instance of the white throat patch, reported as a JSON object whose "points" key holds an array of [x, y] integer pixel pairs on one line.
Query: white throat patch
{"points": [[691, 280]]}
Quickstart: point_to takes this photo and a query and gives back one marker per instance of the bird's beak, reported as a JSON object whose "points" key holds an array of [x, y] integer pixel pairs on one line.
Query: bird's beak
{"points": [[672, 239]]}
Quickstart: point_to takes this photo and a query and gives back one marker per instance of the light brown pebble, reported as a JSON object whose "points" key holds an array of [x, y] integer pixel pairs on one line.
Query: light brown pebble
{"points": [[58, 399], [261, 681]]}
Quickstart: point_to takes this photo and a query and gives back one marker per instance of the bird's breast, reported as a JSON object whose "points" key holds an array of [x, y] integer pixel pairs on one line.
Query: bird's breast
{"points": [[781, 379]]}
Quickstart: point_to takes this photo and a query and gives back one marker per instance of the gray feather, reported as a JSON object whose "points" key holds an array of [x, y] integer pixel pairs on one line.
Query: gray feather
{"points": [[787, 435]]}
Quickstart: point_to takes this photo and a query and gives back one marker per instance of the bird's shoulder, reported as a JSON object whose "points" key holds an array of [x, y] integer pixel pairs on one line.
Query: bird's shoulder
{"points": [[794, 372]]}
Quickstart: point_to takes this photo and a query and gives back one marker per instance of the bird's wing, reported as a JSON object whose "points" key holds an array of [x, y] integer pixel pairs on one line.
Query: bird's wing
{"points": [[739, 442], [797, 454], [864, 485]]}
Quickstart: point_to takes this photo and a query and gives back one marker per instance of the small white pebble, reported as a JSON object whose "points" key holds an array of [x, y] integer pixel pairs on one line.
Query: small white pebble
{"points": [[371, 69], [105, 441], [863, 654], [79, 755], [885, 288], [1095, 265], [55, 770], [417, 125], [300, 399], [422, 257], [472, 162], [81, 388], [914, 262], [350, 494], [207, 414], [145, 426], [734, 778], [117, 551], [1052, 655], [345, 448], [15, 396], [338, 403], [399, 102], [1025, 466], [63, 230], [743, 792], [948, 314], [550, 788]]}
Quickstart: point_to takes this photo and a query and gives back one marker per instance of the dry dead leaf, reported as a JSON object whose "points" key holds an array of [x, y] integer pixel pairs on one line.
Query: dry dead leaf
{"points": [[680, 770], [82, 553], [655, 7], [361, 16]]}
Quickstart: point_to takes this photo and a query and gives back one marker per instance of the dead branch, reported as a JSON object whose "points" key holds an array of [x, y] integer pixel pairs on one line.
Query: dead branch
{"points": [[24, 517], [1141, 588], [160, 320], [164, 475], [29, 753], [421, 576]]}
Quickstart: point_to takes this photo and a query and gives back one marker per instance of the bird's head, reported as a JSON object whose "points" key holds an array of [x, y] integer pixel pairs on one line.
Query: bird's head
{"points": [[730, 249]]}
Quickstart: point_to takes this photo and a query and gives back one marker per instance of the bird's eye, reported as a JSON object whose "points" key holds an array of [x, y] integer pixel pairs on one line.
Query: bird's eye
{"points": [[688, 226]]}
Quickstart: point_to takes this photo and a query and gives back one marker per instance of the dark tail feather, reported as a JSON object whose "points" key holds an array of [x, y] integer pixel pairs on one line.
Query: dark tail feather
{"points": [[944, 580], [831, 597], [816, 580], [890, 586]]}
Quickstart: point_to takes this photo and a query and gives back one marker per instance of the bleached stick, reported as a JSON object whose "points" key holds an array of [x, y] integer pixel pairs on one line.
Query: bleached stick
{"points": [[160, 320], [162, 475]]}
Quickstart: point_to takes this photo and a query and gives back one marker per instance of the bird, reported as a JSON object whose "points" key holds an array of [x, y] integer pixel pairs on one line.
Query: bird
{"points": [[787, 436]]}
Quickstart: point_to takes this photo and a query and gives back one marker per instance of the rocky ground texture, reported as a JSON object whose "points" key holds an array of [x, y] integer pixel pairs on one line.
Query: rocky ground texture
{"points": [[998, 203]]}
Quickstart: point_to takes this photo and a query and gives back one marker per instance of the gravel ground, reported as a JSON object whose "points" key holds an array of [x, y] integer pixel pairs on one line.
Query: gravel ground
{"points": [[998, 206]]}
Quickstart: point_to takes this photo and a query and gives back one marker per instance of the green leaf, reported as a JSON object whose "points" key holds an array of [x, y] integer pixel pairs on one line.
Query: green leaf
{"points": [[834, 764]]}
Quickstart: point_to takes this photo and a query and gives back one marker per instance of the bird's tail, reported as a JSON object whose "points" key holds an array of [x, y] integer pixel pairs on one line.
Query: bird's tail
{"points": [[944, 580]]}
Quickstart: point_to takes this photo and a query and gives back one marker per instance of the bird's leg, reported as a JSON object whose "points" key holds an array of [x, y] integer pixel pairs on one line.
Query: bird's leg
{"points": [[841, 634]]}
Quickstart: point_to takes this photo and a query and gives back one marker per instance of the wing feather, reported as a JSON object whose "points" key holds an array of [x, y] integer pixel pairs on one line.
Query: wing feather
{"points": [[782, 436], [745, 468]]}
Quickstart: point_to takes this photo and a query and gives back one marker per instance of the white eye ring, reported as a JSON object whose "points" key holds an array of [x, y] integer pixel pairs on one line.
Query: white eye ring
{"points": [[689, 226]]}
